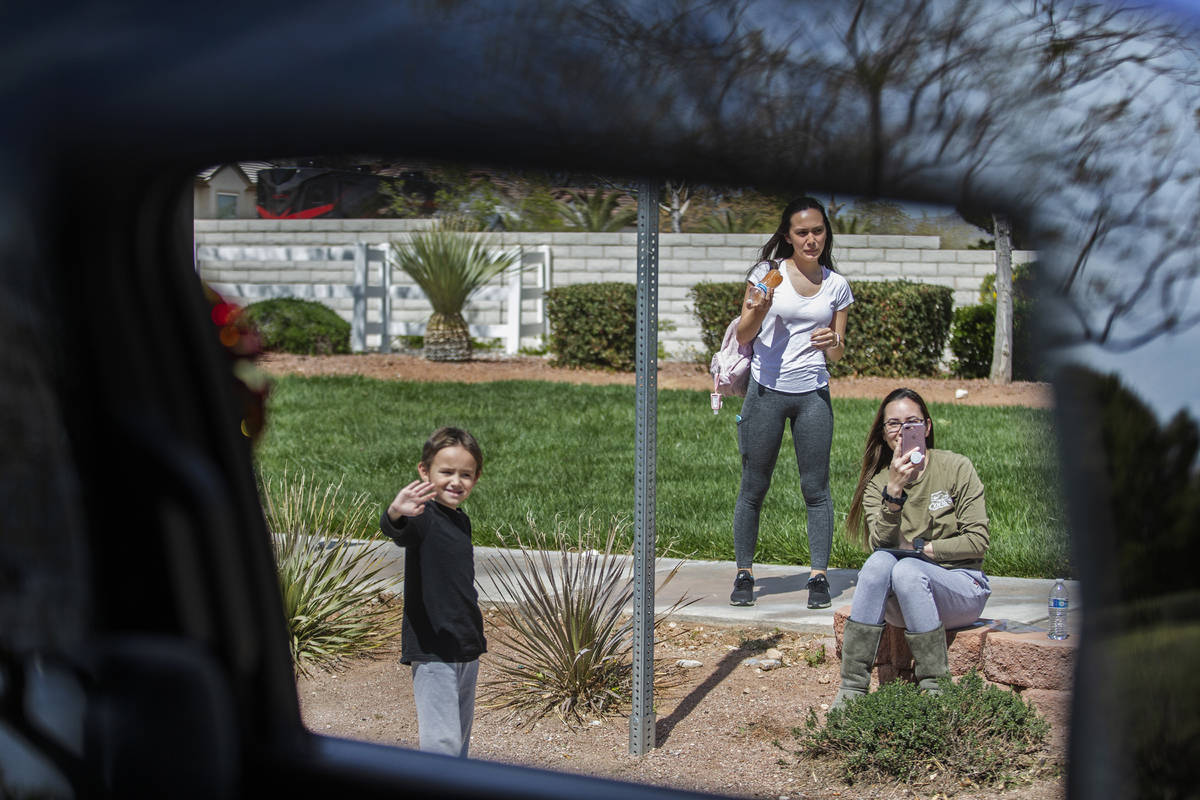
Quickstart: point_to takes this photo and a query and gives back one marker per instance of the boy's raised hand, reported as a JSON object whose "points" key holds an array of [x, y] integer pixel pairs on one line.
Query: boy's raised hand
{"points": [[410, 501]]}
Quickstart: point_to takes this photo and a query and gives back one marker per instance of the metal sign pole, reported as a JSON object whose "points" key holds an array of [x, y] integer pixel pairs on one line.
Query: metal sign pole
{"points": [[641, 720]]}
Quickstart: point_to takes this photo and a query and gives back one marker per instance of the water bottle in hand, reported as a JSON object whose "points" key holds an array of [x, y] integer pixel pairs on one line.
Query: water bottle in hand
{"points": [[772, 279], [1056, 606]]}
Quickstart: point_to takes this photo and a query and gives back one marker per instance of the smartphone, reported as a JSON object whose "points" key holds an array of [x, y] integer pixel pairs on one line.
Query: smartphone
{"points": [[912, 435]]}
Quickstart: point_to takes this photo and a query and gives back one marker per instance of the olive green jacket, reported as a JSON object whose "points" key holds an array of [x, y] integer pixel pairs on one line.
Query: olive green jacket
{"points": [[945, 505]]}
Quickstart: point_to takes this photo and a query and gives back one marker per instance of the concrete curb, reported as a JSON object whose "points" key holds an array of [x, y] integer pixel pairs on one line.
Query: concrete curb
{"points": [[781, 597]]}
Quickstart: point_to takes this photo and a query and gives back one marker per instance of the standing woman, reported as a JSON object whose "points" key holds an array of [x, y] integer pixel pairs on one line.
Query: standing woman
{"points": [[795, 327], [934, 506]]}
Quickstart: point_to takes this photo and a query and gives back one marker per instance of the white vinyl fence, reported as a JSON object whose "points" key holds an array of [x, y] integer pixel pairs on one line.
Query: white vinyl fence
{"points": [[519, 296]]}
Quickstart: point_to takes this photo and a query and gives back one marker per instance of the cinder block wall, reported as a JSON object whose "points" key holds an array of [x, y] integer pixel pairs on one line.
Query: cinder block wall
{"points": [[231, 251]]}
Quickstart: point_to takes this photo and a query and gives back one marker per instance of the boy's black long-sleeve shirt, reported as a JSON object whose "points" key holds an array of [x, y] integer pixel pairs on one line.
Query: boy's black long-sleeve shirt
{"points": [[442, 621]]}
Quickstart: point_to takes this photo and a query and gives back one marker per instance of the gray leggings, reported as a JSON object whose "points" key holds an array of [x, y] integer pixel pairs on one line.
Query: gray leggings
{"points": [[914, 594], [760, 432]]}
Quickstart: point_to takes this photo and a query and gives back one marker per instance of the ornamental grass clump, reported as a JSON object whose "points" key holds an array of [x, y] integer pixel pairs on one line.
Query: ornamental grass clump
{"points": [[567, 640], [449, 265], [970, 734], [337, 604]]}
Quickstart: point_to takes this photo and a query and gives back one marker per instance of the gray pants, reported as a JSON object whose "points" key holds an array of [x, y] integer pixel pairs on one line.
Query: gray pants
{"points": [[760, 432], [445, 696], [915, 594]]}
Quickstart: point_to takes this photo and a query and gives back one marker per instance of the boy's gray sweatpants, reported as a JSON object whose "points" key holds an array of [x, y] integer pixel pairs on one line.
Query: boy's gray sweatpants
{"points": [[760, 433], [445, 696]]}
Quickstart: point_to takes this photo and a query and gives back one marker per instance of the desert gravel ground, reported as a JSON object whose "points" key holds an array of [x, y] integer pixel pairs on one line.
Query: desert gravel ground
{"points": [[723, 727]]}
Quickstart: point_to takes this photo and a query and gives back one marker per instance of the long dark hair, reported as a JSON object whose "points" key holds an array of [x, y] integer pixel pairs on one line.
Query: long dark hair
{"points": [[778, 247], [876, 456]]}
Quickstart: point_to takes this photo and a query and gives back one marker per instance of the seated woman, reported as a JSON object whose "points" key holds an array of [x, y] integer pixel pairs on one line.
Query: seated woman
{"points": [[934, 506]]}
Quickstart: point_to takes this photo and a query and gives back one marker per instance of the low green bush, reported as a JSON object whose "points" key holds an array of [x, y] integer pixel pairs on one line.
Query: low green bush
{"points": [[971, 732], [1023, 277], [292, 325], [593, 325], [714, 305], [896, 329], [974, 332], [972, 340]]}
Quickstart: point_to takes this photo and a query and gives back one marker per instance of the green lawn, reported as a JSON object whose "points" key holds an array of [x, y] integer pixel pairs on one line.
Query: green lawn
{"points": [[555, 449]]}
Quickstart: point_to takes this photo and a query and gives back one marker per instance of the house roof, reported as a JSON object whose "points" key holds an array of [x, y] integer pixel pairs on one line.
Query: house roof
{"points": [[249, 170]]}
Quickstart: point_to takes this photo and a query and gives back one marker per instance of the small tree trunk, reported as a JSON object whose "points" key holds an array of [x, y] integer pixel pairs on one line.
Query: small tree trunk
{"points": [[447, 338], [1002, 345], [678, 197]]}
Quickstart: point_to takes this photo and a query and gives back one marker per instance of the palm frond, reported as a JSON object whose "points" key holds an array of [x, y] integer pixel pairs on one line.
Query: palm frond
{"points": [[450, 265], [597, 211], [727, 220]]}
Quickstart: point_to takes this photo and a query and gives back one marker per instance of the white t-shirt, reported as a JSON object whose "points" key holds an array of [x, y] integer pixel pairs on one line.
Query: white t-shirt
{"points": [[784, 358]]}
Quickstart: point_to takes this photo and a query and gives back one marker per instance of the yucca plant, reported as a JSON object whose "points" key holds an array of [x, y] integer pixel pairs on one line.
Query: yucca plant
{"points": [[336, 602], [568, 640], [596, 212], [449, 265]]}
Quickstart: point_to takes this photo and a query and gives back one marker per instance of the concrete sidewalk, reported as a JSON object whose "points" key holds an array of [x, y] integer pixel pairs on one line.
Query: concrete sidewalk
{"points": [[781, 597]]}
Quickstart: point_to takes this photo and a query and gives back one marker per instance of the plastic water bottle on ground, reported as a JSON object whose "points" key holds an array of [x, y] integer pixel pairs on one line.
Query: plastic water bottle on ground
{"points": [[1056, 607]]}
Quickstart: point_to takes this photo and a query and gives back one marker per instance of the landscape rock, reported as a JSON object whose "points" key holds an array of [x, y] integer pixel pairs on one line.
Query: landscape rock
{"points": [[1053, 706], [964, 646], [689, 663], [1029, 660]]}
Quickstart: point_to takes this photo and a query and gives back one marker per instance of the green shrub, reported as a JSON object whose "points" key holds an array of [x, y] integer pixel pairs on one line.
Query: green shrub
{"points": [[815, 656], [1023, 277], [896, 329], [972, 340], [336, 603], [714, 305], [985, 735], [292, 325], [593, 325], [568, 640], [974, 331]]}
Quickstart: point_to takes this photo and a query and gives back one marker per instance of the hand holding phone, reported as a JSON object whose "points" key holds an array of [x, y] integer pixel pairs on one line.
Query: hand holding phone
{"points": [[912, 441]]}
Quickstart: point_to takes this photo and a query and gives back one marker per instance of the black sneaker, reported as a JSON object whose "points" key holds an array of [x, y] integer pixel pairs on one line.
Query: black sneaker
{"points": [[818, 592], [743, 589]]}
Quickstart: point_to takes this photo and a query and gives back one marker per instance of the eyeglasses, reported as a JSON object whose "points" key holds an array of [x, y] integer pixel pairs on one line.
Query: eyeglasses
{"points": [[893, 425]]}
